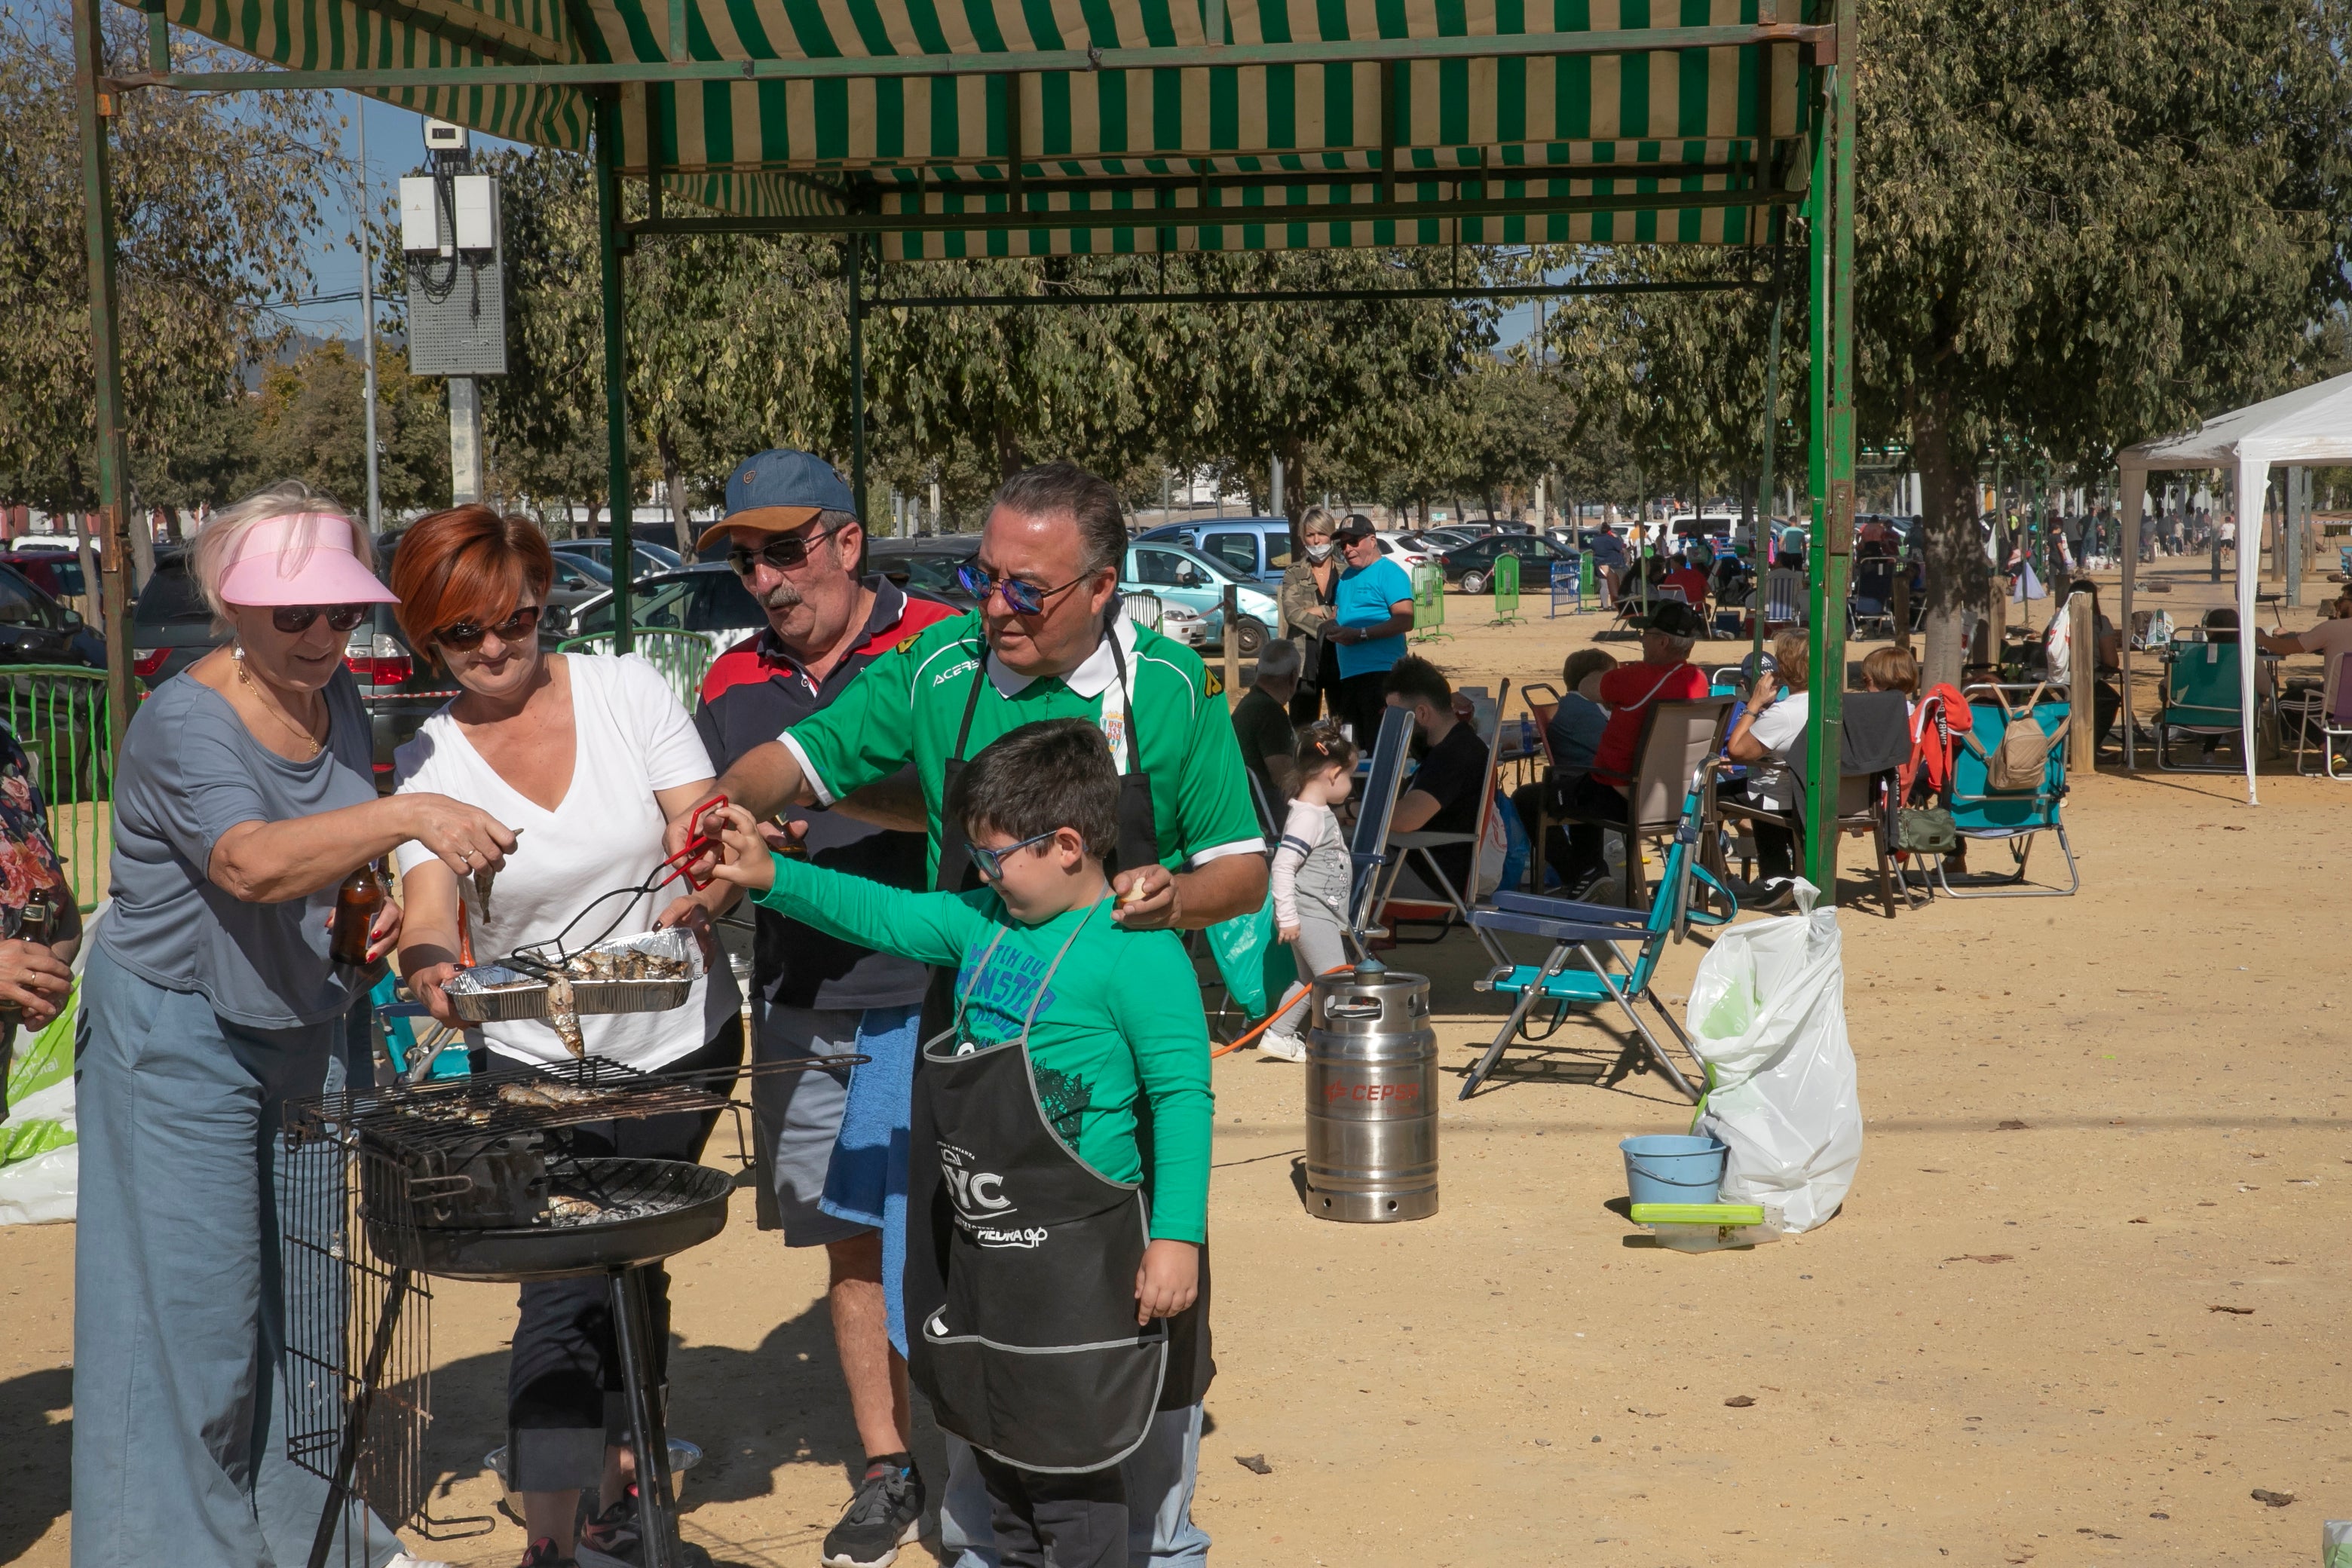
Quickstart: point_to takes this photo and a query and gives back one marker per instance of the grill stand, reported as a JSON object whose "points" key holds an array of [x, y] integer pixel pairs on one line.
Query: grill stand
{"points": [[347, 1452], [633, 1332]]}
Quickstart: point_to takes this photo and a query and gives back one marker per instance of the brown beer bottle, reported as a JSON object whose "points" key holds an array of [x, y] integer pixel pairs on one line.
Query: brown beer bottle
{"points": [[356, 904]]}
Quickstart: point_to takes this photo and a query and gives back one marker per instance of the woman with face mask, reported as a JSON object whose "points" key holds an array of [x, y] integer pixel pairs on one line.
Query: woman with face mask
{"points": [[1306, 613]]}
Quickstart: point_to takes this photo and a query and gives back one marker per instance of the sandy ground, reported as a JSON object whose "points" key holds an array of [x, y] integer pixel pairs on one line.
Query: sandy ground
{"points": [[2093, 1123]]}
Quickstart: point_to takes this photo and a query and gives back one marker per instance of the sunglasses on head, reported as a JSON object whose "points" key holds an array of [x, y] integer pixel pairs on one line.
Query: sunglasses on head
{"points": [[991, 862], [1021, 598], [295, 619], [782, 552], [466, 636]]}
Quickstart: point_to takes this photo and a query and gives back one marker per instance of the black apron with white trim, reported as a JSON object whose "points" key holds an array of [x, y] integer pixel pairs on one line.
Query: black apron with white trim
{"points": [[1025, 1340]]}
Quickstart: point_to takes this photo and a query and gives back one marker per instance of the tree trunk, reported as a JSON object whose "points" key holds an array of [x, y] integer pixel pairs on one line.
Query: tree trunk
{"points": [[1952, 543], [1009, 457], [673, 486]]}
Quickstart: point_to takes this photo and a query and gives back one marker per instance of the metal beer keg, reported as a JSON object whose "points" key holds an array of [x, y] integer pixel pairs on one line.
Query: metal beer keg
{"points": [[1372, 1097]]}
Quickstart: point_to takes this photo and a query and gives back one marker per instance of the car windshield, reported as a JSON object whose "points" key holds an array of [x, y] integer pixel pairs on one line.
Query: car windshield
{"points": [[658, 605], [926, 569], [170, 597]]}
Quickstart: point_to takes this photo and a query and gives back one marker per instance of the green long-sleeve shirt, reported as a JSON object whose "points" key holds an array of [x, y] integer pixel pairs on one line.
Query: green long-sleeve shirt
{"points": [[1120, 1024]]}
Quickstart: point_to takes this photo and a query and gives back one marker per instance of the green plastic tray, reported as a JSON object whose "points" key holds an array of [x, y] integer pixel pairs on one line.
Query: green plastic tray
{"points": [[1698, 1213]]}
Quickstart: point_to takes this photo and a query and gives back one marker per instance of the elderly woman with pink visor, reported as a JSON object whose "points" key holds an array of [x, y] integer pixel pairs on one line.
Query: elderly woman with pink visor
{"points": [[244, 796]]}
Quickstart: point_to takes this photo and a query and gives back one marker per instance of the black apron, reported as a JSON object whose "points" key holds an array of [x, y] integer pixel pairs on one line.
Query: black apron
{"points": [[1020, 1266], [1189, 1362]]}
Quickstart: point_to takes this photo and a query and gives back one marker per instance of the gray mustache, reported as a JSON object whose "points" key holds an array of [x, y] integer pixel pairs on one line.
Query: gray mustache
{"points": [[783, 596]]}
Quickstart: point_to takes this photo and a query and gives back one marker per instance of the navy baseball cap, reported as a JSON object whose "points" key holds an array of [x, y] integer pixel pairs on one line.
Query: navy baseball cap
{"points": [[778, 490]]}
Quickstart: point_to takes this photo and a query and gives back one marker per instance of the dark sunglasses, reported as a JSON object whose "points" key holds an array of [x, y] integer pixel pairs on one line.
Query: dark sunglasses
{"points": [[991, 862], [1021, 598], [295, 619], [782, 552], [466, 636]]}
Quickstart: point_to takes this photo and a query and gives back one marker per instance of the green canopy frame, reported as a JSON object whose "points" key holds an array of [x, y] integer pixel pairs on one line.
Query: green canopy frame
{"points": [[1013, 128]]}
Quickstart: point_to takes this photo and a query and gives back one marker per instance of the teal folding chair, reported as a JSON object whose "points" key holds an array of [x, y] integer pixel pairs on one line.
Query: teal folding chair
{"points": [[397, 1023], [1602, 954], [2201, 702], [1983, 814]]}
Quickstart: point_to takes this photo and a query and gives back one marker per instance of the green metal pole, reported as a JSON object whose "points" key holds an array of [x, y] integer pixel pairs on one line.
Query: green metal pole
{"points": [[858, 376], [623, 495], [1831, 240], [1762, 553], [93, 107]]}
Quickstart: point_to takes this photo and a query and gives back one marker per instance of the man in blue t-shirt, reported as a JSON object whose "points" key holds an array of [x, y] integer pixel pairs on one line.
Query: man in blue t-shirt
{"points": [[1371, 609]]}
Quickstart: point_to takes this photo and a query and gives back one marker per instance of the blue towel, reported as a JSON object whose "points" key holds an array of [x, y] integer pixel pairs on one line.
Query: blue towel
{"points": [[866, 1183]]}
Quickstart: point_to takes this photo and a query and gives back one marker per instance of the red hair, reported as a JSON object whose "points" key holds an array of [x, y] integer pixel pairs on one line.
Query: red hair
{"points": [[466, 564]]}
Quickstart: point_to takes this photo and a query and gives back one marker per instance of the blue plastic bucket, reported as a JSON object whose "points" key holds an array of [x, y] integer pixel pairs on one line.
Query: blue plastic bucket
{"points": [[1672, 1168]]}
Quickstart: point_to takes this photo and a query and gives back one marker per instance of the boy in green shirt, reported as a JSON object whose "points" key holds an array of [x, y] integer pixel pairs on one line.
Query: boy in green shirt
{"points": [[1077, 1046]]}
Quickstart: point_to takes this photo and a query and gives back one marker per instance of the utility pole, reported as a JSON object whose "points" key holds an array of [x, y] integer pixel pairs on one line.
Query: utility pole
{"points": [[367, 327]]}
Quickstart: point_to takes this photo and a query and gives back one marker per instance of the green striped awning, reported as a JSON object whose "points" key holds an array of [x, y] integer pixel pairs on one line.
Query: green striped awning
{"points": [[1682, 139]]}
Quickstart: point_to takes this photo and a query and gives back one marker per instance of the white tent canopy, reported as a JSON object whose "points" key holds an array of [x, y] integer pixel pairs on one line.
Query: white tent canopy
{"points": [[2311, 425]]}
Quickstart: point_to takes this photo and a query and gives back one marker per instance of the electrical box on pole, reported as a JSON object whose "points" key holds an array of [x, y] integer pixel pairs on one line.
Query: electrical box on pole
{"points": [[454, 265]]}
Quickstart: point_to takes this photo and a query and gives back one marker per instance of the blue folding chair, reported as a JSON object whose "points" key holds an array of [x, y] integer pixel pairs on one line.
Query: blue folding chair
{"points": [[1985, 815], [1602, 954], [2201, 702]]}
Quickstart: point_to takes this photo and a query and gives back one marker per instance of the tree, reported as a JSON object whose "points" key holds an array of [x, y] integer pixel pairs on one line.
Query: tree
{"points": [[2084, 224], [310, 422], [211, 196]]}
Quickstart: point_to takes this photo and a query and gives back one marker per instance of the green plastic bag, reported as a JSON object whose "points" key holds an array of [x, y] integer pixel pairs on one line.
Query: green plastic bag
{"points": [[1255, 963], [42, 1062]]}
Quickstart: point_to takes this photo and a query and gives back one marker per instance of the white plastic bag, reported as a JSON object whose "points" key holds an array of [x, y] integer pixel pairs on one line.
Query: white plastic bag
{"points": [[1768, 1020]]}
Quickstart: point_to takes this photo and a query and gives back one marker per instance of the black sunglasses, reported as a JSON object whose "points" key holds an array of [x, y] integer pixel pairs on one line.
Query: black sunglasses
{"points": [[466, 636], [782, 552], [295, 619]]}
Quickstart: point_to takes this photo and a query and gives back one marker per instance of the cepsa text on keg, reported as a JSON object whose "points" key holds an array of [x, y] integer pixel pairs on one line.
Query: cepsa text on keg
{"points": [[1334, 1092]]}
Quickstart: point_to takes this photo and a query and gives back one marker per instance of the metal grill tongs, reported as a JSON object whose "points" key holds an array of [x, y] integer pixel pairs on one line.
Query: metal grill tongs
{"points": [[544, 959]]}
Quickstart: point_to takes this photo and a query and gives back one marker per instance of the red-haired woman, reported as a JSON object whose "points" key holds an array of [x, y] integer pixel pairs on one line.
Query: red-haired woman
{"points": [[585, 756]]}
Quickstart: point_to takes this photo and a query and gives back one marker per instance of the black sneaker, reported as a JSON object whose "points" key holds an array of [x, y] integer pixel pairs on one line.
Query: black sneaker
{"points": [[612, 1539], [885, 1514]]}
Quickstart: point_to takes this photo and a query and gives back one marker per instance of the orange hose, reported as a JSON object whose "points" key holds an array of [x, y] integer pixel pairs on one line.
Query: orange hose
{"points": [[1260, 1027]]}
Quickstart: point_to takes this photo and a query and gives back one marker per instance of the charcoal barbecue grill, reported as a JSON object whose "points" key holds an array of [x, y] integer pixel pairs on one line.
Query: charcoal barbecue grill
{"points": [[470, 1179]]}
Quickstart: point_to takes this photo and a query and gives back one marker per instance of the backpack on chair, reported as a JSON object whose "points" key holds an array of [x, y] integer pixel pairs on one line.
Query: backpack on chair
{"points": [[2021, 758]]}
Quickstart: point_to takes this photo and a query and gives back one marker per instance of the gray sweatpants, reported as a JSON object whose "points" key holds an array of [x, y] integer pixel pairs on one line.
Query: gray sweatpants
{"points": [[1320, 946], [179, 1432]]}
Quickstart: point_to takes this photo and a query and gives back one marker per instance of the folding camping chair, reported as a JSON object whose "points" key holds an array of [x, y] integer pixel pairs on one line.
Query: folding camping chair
{"points": [[1404, 847], [1677, 737], [2201, 701], [1589, 939], [2328, 712], [1872, 603], [1983, 813], [1875, 740], [1368, 849]]}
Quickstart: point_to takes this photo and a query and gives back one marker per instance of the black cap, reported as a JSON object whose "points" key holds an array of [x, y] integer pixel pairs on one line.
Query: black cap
{"points": [[1672, 617], [1357, 526]]}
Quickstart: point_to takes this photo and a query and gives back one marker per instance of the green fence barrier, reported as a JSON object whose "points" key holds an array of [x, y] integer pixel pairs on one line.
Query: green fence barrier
{"points": [[58, 713], [683, 658], [1429, 602], [1507, 590], [1588, 583]]}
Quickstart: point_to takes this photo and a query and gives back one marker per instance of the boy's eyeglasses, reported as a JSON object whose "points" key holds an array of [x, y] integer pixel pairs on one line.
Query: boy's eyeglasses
{"points": [[295, 619], [782, 552], [1021, 598], [991, 862], [466, 636]]}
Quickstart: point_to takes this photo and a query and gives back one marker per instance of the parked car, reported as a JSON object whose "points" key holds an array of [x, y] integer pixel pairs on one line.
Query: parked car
{"points": [[1437, 541], [707, 599], [926, 563], [1256, 548], [647, 559], [1175, 621], [170, 629], [1179, 575], [36, 629], [1471, 567], [57, 573]]}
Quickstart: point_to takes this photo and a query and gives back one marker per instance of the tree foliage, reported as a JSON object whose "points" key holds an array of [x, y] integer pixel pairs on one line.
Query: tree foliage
{"points": [[210, 204]]}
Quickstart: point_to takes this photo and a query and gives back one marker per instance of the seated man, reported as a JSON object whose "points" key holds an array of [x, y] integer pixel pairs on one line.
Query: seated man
{"points": [[1664, 675], [1691, 577], [1262, 722], [1772, 729], [1448, 791], [1573, 732]]}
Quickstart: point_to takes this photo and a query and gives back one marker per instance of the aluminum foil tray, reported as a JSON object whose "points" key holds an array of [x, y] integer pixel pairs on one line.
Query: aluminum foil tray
{"points": [[494, 992]]}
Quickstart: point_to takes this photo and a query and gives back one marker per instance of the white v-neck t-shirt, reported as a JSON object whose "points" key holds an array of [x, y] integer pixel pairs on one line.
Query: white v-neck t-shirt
{"points": [[631, 738]]}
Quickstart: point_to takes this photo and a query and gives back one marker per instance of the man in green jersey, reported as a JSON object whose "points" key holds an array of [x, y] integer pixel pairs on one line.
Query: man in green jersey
{"points": [[1046, 642]]}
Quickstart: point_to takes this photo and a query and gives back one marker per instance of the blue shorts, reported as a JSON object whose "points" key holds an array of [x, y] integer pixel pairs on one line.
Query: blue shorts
{"points": [[866, 1183]]}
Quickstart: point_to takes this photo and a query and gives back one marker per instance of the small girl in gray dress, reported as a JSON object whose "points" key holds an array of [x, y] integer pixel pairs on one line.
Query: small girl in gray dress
{"points": [[1310, 881]]}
